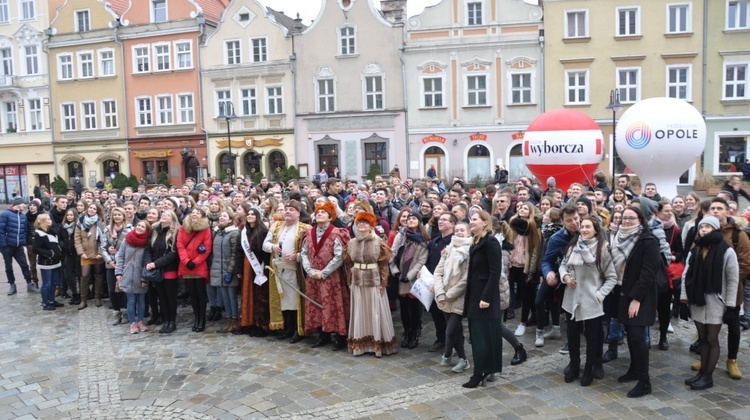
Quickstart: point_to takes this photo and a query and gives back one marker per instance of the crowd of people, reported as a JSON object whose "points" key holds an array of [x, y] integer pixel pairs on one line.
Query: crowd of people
{"points": [[333, 261]]}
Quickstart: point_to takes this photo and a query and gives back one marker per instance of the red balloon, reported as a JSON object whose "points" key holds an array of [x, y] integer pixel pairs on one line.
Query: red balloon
{"points": [[565, 144]]}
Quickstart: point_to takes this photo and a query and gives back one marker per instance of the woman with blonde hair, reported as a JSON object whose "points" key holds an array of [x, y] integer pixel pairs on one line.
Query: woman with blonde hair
{"points": [[161, 254], [109, 244], [527, 241]]}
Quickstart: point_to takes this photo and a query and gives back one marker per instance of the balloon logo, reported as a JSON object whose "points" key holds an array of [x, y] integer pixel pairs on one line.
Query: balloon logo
{"points": [[638, 135]]}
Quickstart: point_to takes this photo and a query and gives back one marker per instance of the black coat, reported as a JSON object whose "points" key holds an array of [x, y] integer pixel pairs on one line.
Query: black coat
{"points": [[639, 281], [163, 255], [485, 265]]}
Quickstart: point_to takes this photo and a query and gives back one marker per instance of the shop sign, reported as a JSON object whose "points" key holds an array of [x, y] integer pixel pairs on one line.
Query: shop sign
{"points": [[433, 138], [478, 136], [153, 154]]}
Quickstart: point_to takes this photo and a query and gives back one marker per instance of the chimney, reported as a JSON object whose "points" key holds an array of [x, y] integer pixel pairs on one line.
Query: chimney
{"points": [[394, 10]]}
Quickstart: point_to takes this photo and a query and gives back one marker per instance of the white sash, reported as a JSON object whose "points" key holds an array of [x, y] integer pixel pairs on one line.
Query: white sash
{"points": [[257, 266]]}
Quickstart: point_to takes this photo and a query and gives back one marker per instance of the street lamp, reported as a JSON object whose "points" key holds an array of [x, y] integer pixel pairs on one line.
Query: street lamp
{"points": [[615, 106], [227, 114]]}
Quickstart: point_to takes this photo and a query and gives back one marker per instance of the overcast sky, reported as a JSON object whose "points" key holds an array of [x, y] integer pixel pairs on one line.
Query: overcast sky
{"points": [[308, 9]]}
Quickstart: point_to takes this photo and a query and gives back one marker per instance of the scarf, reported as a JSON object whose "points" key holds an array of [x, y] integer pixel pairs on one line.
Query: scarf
{"points": [[583, 252], [455, 254], [87, 222], [520, 226], [412, 242], [704, 275], [549, 229], [69, 227], [135, 239], [624, 242]]}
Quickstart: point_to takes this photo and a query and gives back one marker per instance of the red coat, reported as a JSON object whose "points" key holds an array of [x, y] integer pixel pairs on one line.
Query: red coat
{"points": [[189, 252]]}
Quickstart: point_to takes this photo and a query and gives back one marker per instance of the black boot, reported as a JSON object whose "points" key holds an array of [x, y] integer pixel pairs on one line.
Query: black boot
{"points": [[405, 339], [217, 317], [201, 322], [598, 369], [611, 353], [76, 299], [475, 380], [520, 355], [641, 388], [694, 379], [339, 342], [575, 370], [288, 332], [212, 314], [296, 338], [323, 339], [705, 382], [414, 342], [195, 321], [588, 375], [171, 327]]}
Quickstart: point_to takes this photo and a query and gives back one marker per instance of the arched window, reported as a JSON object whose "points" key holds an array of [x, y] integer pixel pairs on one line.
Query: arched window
{"points": [[479, 164], [517, 166], [434, 159], [111, 168], [251, 163], [277, 160], [75, 170]]}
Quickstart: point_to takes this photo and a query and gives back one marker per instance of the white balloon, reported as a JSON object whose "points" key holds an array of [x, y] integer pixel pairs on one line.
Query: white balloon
{"points": [[659, 139]]}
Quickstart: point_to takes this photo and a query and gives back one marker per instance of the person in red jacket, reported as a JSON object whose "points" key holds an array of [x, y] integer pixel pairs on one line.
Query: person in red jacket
{"points": [[194, 245]]}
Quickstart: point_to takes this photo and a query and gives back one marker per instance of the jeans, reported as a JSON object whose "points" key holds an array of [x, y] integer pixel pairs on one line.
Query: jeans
{"points": [[136, 314], [546, 297], [18, 253], [228, 299], [50, 280], [213, 296]]}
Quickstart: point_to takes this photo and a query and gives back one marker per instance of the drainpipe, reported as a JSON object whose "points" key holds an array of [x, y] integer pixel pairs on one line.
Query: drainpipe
{"points": [[296, 30], [406, 110], [201, 24], [49, 32], [543, 95], [119, 42], [704, 86]]}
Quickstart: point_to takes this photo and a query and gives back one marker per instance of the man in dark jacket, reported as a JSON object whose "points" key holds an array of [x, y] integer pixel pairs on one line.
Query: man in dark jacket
{"points": [[13, 242], [734, 187]]}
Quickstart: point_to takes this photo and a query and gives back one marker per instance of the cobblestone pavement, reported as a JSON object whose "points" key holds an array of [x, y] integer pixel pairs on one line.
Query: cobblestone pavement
{"points": [[75, 364]]}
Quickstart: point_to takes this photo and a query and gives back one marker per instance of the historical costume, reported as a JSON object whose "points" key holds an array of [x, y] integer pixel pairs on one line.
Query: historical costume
{"points": [[322, 257], [366, 259], [283, 243], [254, 310]]}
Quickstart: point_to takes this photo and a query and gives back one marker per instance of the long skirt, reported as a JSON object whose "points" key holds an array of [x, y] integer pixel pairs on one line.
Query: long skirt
{"points": [[487, 345], [370, 323], [254, 310]]}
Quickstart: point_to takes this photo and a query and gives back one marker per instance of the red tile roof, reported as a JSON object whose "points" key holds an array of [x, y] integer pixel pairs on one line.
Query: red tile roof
{"points": [[119, 6], [212, 9]]}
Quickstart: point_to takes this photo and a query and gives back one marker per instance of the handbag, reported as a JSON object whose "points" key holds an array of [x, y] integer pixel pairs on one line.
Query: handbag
{"points": [[155, 276]]}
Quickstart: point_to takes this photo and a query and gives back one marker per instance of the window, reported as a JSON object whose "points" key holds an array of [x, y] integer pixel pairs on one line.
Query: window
{"points": [[476, 90], [186, 111], [151, 169], [737, 14], [576, 87], [326, 96], [159, 10], [109, 112], [184, 54], [628, 83], [89, 115], [249, 101], [678, 18], [141, 60], [106, 63], [164, 110], [627, 21], [520, 88], [36, 120], [223, 97], [474, 13], [85, 65], [735, 81], [7, 56], [433, 92], [162, 57], [68, 117], [11, 117], [678, 82], [4, 11], [577, 24], [233, 52], [83, 23], [347, 41], [373, 92], [244, 17], [275, 100], [27, 9], [143, 111], [260, 52], [731, 153], [32, 59], [377, 153]]}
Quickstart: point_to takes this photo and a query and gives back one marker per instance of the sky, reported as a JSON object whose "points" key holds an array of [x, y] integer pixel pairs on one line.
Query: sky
{"points": [[308, 9]]}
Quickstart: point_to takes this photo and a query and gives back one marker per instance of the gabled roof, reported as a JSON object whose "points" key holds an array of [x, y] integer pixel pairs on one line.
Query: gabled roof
{"points": [[284, 20]]}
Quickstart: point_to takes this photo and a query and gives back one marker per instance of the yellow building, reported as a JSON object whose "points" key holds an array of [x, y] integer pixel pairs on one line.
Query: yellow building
{"points": [[638, 48], [87, 106]]}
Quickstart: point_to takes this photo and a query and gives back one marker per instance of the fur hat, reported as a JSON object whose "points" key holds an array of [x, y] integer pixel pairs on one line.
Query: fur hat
{"points": [[364, 216], [295, 205], [711, 221], [37, 202], [327, 207]]}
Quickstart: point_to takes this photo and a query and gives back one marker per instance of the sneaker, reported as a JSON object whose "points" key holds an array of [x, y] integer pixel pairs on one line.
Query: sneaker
{"points": [[564, 349], [133, 328], [553, 333], [670, 329], [12, 289], [49, 307], [30, 288], [539, 342], [521, 330], [446, 361], [461, 366], [745, 323], [142, 327]]}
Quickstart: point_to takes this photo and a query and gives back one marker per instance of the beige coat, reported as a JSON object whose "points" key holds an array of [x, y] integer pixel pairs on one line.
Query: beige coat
{"points": [[88, 245], [420, 258], [451, 289]]}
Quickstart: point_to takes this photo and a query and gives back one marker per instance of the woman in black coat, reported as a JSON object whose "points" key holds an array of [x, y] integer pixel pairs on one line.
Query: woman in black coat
{"points": [[638, 295], [160, 253], [482, 300]]}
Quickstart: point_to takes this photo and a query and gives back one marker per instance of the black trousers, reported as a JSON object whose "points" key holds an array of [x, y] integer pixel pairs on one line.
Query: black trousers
{"points": [[118, 300], [733, 338], [592, 329], [454, 334], [198, 296], [548, 298], [439, 318], [638, 351], [152, 300], [663, 311], [411, 313], [167, 291]]}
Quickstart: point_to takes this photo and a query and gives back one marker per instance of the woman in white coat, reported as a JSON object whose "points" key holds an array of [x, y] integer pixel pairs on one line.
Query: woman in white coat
{"points": [[589, 274]]}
